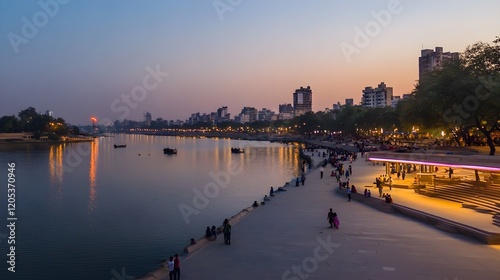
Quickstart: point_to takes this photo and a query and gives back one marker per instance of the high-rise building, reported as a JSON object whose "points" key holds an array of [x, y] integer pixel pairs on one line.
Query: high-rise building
{"points": [[302, 100], [380, 96], [222, 115], [430, 59]]}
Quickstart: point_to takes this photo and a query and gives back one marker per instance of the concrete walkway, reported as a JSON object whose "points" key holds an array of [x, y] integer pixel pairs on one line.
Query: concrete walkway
{"points": [[289, 238]]}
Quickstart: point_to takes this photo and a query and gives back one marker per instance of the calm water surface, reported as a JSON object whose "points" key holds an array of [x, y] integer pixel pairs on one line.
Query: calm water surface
{"points": [[88, 210]]}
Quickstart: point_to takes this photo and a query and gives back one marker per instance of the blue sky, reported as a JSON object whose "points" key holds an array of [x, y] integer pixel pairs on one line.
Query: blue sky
{"points": [[85, 56]]}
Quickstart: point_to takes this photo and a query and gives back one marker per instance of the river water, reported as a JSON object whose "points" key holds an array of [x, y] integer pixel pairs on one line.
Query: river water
{"points": [[92, 211]]}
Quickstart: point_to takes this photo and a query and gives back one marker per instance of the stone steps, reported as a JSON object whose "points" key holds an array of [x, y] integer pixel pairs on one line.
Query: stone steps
{"points": [[438, 222]]}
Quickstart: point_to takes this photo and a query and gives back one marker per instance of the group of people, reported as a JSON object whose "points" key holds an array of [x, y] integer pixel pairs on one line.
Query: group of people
{"points": [[333, 219], [211, 233], [367, 193], [387, 197], [302, 179], [174, 268]]}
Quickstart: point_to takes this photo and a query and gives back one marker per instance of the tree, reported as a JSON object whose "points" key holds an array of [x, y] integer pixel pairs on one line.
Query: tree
{"points": [[26, 118], [9, 124], [306, 123], [462, 96], [76, 130]]}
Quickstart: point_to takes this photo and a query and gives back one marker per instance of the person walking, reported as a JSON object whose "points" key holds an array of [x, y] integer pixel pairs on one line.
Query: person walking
{"points": [[329, 218], [214, 231], [379, 186], [170, 265], [321, 172], [403, 174], [227, 233], [390, 183], [226, 222], [177, 268], [336, 221], [297, 182], [350, 169], [303, 178], [349, 194]]}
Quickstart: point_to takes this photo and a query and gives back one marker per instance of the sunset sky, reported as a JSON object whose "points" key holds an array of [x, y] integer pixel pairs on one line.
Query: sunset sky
{"points": [[81, 58]]}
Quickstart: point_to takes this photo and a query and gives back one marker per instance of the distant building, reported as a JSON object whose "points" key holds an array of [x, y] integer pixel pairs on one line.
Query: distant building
{"points": [[49, 113], [430, 60], [302, 100], [380, 96], [349, 102], [395, 101], [286, 108], [406, 95], [284, 116], [337, 106], [222, 115], [248, 114], [265, 115], [148, 118]]}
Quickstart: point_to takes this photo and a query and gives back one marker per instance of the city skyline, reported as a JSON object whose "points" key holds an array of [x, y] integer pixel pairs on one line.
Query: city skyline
{"points": [[120, 59]]}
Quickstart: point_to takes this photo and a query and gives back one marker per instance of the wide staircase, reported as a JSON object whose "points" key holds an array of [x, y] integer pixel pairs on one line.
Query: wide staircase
{"points": [[474, 195]]}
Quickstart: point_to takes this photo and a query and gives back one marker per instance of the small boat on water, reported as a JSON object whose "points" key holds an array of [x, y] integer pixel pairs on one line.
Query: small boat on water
{"points": [[169, 151], [237, 150], [120, 146]]}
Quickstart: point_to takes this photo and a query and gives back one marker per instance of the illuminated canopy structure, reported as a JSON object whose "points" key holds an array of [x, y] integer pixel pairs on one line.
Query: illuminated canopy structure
{"points": [[471, 162]]}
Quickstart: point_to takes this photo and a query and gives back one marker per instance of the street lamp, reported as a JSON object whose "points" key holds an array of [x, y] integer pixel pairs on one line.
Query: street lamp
{"points": [[94, 122]]}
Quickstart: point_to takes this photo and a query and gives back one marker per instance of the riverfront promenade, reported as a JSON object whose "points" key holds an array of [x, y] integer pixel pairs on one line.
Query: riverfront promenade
{"points": [[289, 238]]}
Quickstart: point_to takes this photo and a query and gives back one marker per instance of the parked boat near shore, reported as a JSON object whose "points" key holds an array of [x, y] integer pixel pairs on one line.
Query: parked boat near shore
{"points": [[119, 146]]}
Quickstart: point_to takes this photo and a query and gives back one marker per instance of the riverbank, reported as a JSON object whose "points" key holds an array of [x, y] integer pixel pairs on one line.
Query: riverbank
{"points": [[289, 238], [315, 162], [32, 141]]}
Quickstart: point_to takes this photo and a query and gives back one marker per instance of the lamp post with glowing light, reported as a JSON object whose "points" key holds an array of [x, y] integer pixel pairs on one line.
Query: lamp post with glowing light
{"points": [[94, 124]]}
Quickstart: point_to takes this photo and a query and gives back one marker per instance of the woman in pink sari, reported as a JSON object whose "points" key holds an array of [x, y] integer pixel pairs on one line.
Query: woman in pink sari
{"points": [[336, 221]]}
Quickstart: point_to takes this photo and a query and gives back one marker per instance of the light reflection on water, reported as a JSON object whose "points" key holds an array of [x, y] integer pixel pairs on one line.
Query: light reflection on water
{"points": [[90, 207]]}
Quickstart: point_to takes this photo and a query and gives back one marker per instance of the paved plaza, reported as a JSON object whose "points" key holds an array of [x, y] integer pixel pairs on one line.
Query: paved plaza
{"points": [[289, 238]]}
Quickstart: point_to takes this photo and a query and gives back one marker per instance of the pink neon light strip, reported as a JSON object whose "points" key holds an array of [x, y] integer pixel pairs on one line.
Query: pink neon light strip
{"points": [[495, 169]]}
